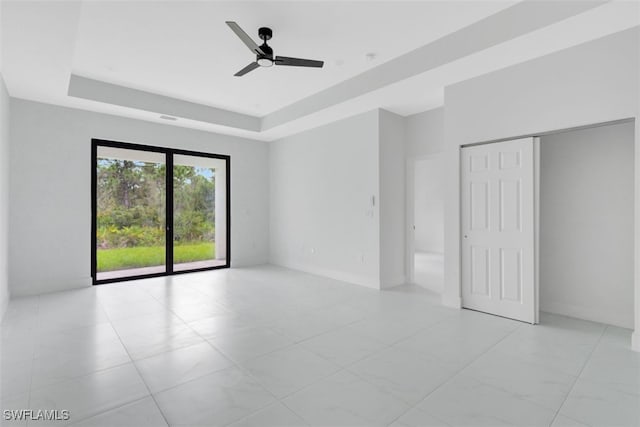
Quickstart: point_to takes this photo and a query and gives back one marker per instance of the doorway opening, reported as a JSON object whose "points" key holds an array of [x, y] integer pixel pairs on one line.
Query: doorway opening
{"points": [[586, 256], [157, 211], [426, 218], [569, 231]]}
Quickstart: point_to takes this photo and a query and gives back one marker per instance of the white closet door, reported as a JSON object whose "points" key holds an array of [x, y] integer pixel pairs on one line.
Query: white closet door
{"points": [[498, 229]]}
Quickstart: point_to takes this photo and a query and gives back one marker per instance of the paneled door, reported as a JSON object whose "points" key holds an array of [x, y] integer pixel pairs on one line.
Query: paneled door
{"points": [[498, 229]]}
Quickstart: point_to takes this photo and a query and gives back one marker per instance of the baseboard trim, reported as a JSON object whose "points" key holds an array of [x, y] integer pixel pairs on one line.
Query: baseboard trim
{"points": [[397, 281], [18, 291], [635, 341], [587, 313], [453, 301], [331, 274]]}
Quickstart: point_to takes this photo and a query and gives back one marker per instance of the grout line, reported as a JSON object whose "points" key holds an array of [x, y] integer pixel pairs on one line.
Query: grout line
{"points": [[295, 342], [584, 365], [456, 374], [341, 369], [131, 361], [139, 374], [75, 422], [33, 354], [350, 301]]}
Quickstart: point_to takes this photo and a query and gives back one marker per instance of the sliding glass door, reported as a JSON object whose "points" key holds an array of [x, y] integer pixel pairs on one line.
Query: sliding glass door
{"points": [[199, 206], [157, 211], [131, 212]]}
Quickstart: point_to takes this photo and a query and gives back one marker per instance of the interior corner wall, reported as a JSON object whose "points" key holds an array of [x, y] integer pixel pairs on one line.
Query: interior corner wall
{"points": [[392, 198], [586, 212], [323, 182], [429, 205], [50, 190], [425, 133], [591, 83], [4, 198]]}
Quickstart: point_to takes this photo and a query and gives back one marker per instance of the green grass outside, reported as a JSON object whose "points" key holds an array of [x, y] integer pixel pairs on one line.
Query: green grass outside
{"points": [[149, 256]]}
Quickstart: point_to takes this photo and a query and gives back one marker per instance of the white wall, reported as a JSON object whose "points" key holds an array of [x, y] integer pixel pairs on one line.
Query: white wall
{"points": [[429, 204], [50, 207], [4, 197], [586, 212], [322, 218], [425, 133], [424, 138], [591, 83], [392, 199]]}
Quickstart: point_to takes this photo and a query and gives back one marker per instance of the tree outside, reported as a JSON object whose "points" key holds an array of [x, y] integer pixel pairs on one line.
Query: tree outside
{"points": [[131, 214]]}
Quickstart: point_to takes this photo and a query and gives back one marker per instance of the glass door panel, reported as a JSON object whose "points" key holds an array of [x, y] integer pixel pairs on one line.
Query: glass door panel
{"points": [[199, 212], [130, 213]]}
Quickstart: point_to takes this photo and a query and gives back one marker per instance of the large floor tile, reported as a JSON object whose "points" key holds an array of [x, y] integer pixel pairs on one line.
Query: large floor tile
{"points": [[613, 363], [18, 348], [117, 310], [388, 329], [531, 382], [564, 421], [14, 403], [302, 327], [175, 367], [20, 318], [408, 376], [460, 339], [343, 346], [600, 404], [70, 353], [92, 394], [344, 399], [217, 399], [284, 371], [340, 354], [142, 413], [190, 312], [15, 377], [558, 343], [418, 418], [149, 335], [276, 415], [249, 343], [465, 401], [70, 316], [227, 323]]}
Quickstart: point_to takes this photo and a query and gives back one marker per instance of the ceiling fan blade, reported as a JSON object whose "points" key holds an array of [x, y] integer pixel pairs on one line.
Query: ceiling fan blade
{"points": [[253, 46], [246, 69], [298, 62]]}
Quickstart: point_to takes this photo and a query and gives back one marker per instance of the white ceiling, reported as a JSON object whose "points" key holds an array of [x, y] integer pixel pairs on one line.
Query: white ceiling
{"points": [[184, 50]]}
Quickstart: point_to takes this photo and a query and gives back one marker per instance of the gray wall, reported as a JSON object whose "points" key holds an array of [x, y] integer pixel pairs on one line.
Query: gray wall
{"points": [[4, 197], [337, 200], [392, 198], [425, 133], [586, 218], [591, 83], [322, 181], [429, 205], [50, 209]]}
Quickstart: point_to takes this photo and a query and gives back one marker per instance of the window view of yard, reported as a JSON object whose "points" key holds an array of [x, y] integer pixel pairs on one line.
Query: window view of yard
{"points": [[130, 229]]}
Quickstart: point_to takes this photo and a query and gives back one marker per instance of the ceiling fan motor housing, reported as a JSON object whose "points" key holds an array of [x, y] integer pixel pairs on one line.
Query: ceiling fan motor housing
{"points": [[265, 33], [265, 60]]}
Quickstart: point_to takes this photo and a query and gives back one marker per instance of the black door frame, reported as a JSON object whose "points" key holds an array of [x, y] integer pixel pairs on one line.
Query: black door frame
{"points": [[169, 153]]}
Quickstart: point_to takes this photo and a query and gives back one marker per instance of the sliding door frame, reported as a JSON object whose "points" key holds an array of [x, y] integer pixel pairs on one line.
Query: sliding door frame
{"points": [[169, 154]]}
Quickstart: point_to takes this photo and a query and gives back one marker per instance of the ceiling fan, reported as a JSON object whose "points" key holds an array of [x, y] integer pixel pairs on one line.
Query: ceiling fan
{"points": [[264, 53]]}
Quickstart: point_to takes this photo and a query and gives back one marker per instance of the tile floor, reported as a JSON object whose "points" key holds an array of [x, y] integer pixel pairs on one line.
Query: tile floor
{"points": [[271, 347], [428, 270]]}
